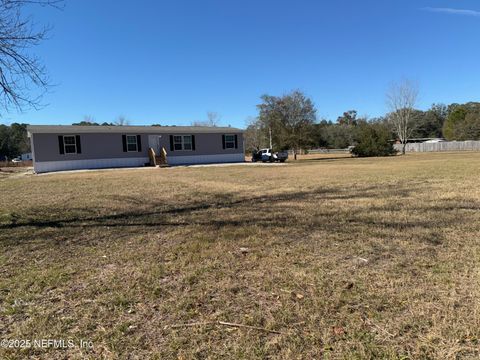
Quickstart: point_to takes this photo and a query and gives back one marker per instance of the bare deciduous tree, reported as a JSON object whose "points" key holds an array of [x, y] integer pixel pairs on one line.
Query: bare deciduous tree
{"points": [[213, 120], [254, 135], [89, 118], [122, 121], [21, 73], [401, 100]]}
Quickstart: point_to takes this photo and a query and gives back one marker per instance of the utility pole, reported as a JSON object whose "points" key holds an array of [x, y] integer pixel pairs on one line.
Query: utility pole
{"points": [[270, 133]]}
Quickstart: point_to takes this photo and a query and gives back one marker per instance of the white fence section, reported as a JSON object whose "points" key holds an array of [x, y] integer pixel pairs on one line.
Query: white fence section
{"points": [[441, 146]]}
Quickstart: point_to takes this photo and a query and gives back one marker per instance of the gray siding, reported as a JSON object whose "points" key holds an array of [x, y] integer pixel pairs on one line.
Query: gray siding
{"points": [[110, 146], [205, 144]]}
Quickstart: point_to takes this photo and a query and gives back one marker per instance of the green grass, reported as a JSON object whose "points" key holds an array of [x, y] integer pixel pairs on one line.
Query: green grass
{"points": [[346, 258]]}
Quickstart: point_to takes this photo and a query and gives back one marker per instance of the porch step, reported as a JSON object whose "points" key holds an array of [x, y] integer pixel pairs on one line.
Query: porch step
{"points": [[160, 161]]}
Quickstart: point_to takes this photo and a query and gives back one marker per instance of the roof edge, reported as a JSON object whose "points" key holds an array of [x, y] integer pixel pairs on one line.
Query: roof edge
{"points": [[122, 129]]}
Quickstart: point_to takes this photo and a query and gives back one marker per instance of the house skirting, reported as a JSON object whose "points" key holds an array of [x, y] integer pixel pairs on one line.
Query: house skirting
{"points": [[48, 166], [205, 159]]}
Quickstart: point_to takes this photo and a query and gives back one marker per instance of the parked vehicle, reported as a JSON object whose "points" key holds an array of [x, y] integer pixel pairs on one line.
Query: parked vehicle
{"points": [[267, 155], [16, 160]]}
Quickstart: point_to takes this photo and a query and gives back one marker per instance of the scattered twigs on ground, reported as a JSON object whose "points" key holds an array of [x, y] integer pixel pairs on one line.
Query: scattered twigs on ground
{"points": [[385, 332], [224, 323]]}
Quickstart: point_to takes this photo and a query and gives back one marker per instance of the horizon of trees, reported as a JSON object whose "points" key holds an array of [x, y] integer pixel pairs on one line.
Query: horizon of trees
{"points": [[289, 130], [452, 122]]}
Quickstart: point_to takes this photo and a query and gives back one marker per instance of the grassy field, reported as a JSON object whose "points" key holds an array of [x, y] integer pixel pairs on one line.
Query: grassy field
{"points": [[323, 258]]}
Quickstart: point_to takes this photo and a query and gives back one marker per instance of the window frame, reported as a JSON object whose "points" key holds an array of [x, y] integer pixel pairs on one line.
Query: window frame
{"points": [[182, 142], [127, 143], [230, 141], [74, 144]]}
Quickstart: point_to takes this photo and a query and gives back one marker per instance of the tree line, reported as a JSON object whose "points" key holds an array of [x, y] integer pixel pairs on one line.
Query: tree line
{"points": [[290, 122], [13, 140]]}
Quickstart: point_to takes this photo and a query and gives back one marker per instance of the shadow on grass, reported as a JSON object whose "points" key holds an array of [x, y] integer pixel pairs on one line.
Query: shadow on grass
{"points": [[325, 159], [153, 208], [274, 211]]}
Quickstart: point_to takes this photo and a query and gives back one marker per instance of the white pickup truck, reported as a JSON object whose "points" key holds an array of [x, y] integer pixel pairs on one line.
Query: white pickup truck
{"points": [[267, 155]]}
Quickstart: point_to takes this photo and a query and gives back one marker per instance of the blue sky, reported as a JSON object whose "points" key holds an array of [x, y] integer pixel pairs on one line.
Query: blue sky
{"points": [[170, 62]]}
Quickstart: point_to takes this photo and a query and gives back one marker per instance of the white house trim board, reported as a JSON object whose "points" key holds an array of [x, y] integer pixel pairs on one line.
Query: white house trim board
{"points": [[46, 166]]}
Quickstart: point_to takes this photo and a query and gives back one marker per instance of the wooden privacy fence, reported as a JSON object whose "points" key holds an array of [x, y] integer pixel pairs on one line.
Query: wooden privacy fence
{"points": [[441, 146]]}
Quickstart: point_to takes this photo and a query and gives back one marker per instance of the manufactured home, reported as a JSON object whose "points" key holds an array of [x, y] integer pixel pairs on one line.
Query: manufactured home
{"points": [[56, 148]]}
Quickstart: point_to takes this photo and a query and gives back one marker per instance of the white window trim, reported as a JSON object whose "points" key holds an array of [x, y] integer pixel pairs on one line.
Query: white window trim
{"points": [[183, 142], [233, 141], [136, 142], [65, 145]]}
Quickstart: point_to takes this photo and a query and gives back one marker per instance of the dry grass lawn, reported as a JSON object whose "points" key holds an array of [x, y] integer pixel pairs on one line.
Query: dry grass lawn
{"points": [[344, 258]]}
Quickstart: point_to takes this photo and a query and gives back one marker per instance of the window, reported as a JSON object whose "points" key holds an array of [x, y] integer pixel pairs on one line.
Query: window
{"points": [[70, 145], [187, 142], [229, 141], [182, 142], [177, 142], [131, 143]]}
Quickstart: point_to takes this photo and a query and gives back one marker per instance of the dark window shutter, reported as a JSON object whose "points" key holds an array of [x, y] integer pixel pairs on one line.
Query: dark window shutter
{"points": [[79, 146], [236, 141], [171, 142], [223, 141], [139, 143], [124, 140], [193, 142], [60, 145]]}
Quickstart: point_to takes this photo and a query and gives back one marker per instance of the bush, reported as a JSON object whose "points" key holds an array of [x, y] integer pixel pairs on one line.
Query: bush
{"points": [[373, 140]]}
